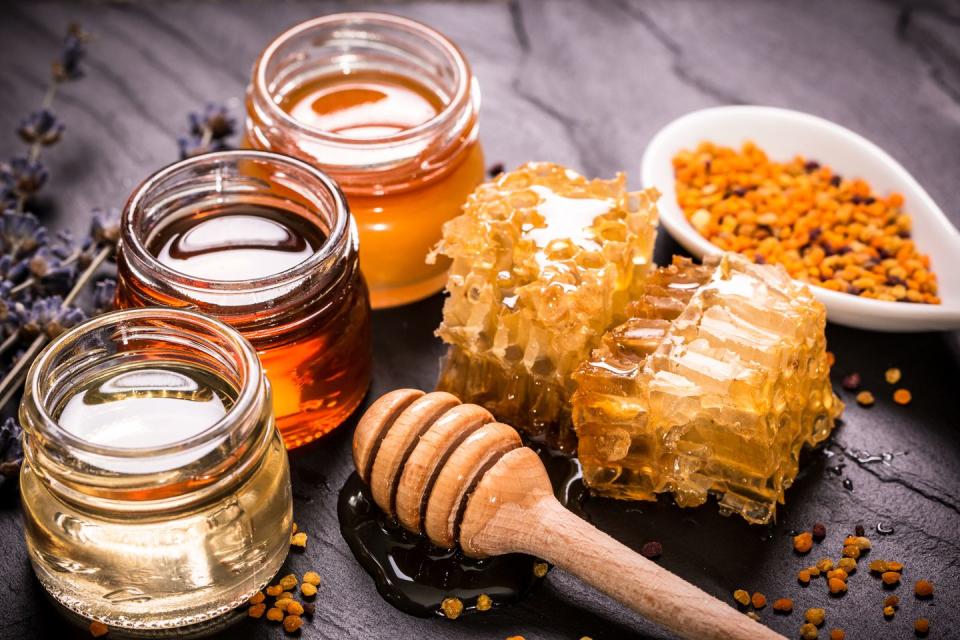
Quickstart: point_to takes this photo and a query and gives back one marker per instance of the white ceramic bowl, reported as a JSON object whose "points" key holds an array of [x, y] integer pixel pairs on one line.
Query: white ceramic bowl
{"points": [[783, 134]]}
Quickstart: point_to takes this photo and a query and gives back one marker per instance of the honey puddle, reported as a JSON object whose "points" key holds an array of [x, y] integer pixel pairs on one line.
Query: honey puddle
{"points": [[415, 576]]}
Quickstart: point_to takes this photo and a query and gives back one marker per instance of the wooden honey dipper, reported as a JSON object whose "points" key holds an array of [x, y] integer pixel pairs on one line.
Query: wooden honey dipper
{"points": [[449, 470]]}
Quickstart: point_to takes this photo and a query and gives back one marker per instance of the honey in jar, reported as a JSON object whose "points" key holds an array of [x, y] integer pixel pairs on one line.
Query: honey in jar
{"points": [[155, 488], [265, 243], [389, 108]]}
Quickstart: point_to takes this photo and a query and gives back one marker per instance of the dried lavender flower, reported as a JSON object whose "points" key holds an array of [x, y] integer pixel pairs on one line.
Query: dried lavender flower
{"points": [[41, 127], [11, 450], [21, 234], [22, 176], [67, 65], [50, 275], [48, 316], [104, 293], [216, 120], [208, 131], [104, 227]]}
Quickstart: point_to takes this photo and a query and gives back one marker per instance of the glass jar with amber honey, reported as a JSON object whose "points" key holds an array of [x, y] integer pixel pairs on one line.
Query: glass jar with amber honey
{"points": [[265, 243], [155, 487], [389, 108]]}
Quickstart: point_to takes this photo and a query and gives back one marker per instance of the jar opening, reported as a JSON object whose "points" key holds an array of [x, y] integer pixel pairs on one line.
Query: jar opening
{"points": [[223, 179], [357, 42], [128, 341]]}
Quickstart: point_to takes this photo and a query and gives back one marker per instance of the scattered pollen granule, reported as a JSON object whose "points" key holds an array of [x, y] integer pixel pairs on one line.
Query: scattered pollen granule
{"points": [[299, 539], [742, 597], [783, 605], [803, 542], [292, 623], [295, 608], [892, 375], [452, 608], [902, 396], [758, 600], [288, 582], [312, 577], [540, 569], [308, 590], [837, 586], [837, 634], [923, 588], [484, 603], [808, 631], [803, 576], [98, 629], [888, 612], [257, 598], [819, 531], [814, 615], [890, 578], [257, 610], [274, 590], [838, 574], [921, 627], [847, 564], [891, 601], [274, 614], [865, 399], [851, 551]]}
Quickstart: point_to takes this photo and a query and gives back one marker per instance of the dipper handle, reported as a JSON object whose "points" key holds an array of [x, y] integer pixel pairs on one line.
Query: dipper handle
{"points": [[513, 510]]}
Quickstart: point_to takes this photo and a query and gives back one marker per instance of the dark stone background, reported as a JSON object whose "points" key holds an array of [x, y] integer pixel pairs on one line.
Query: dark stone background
{"points": [[586, 84]]}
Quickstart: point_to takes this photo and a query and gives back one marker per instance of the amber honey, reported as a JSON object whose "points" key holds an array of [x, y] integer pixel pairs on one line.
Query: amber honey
{"points": [[280, 264], [394, 123]]}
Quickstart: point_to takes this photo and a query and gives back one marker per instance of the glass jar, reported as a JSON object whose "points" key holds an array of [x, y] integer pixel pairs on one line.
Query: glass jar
{"points": [[155, 486], [304, 306], [389, 108]]}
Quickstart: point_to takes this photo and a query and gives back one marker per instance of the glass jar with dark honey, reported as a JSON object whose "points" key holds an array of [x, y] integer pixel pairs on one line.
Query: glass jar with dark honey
{"points": [[266, 244], [389, 108]]}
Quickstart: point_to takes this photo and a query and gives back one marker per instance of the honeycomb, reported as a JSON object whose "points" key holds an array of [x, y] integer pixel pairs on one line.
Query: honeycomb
{"points": [[544, 261], [713, 385]]}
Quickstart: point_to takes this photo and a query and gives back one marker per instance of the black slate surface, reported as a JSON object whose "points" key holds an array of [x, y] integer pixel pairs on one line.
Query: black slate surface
{"points": [[585, 84]]}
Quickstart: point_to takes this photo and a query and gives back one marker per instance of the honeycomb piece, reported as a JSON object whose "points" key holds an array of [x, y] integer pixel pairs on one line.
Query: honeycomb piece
{"points": [[713, 385], [544, 261]]}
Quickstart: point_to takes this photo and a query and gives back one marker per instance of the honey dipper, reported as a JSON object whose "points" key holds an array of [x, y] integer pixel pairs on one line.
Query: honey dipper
{"points": [[450, 471]]}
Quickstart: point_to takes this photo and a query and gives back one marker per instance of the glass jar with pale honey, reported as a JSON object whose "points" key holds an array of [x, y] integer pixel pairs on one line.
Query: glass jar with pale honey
{"points": [[389, 108], [155, 487], [265, 243]]}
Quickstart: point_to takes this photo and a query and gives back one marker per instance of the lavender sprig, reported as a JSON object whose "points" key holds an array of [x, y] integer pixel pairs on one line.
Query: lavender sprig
{"points": [[208, 131]]}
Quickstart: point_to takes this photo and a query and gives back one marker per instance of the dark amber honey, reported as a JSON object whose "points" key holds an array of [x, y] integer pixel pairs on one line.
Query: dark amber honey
{"points": [[286, 275]]}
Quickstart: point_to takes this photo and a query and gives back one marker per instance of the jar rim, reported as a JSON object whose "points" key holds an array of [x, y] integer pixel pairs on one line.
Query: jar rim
{"points": [[338, 233], [460, 99], [246, 401]]}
